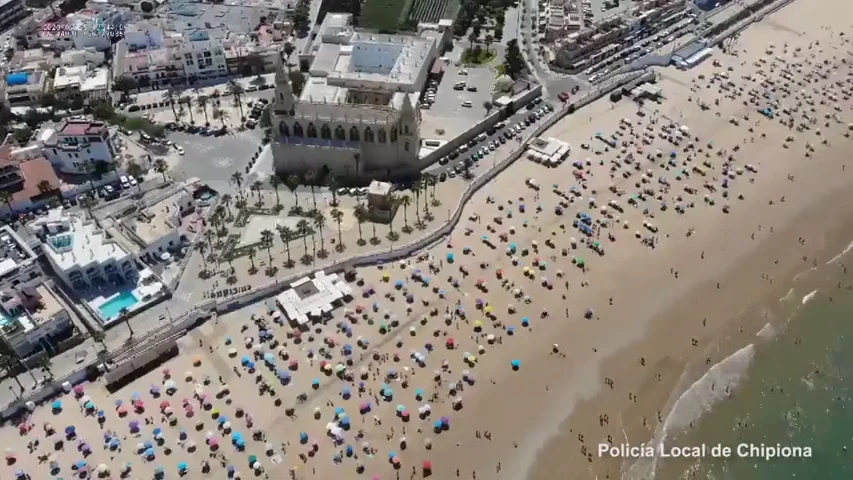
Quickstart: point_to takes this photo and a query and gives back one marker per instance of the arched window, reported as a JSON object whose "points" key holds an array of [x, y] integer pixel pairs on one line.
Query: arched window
{"points": [[281, 96], [326, 132], [368, 135], [340, 133], [393, 134], [406, 129], [407, 146], [381, 135], [353, 134], [297, 130], [312, 131], [282, 129]]}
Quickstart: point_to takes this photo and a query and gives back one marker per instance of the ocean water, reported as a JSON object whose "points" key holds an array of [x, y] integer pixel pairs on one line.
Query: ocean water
{"points": [[791, 388]]}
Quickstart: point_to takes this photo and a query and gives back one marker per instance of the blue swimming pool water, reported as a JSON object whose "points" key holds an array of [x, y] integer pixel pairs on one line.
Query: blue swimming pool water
{"points": [[111, 308]]}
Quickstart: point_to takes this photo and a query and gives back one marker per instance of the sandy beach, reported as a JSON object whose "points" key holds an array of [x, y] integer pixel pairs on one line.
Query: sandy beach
{"points": [[571, 308]]}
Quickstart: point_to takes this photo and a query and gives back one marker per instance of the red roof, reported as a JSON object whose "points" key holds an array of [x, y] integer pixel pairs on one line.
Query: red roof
{"points": [[34, 172], [81, 127]]}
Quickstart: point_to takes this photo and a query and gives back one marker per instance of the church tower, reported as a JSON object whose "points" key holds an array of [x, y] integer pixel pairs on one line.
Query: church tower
{"points": [[410, 123], [284, 101]]}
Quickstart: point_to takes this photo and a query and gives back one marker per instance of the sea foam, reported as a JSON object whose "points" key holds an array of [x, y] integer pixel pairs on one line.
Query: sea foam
{"points": [[703, 394]]}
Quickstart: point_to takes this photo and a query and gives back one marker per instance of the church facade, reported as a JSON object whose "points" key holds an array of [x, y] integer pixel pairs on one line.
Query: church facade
{"points": [[357, 115]]}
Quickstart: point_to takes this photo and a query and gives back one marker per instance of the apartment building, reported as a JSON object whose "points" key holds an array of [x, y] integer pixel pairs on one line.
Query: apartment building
{"points": [[11, 12], [83, 82], [74, 144]]}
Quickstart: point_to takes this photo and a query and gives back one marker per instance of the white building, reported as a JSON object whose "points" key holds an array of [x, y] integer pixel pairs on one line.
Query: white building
{"points": [[309, 298], [89, 84], [155, 230], [356, 115], [25, 87], [11, 12], [81, 253], [30, 313], [84, 29], [74, 144], [84, 56]]}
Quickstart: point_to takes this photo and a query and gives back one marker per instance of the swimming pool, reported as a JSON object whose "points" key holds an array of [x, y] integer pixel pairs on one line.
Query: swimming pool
{"points": [[111, 308]]}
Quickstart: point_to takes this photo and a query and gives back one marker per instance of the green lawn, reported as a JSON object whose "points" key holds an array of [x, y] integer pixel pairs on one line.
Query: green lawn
{"points": [[382, 14], [477, 56]]}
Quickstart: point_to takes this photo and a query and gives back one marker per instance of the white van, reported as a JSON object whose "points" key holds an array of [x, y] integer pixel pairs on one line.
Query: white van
{"points": [[480, 137]]}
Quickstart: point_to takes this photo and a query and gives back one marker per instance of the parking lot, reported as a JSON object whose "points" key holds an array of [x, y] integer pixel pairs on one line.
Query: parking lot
{"points": [[447, 113]]}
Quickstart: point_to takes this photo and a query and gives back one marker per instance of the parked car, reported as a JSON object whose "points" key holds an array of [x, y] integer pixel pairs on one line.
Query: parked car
{"points": [[125, 183], [467, 104]]}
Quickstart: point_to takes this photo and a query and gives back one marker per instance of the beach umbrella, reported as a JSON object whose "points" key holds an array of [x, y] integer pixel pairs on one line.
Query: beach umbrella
{"points": [[516, 364], [57, 405], [70, 431], [182, 467], [80, 465], [269, 358], [78, 390], [303, 437], [419, 393], [159, 470]]}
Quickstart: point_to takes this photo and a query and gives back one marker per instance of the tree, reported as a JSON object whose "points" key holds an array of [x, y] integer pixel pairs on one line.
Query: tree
{"points": [[124, 85], [169, 96], [472, 37], [338, 217], [297, 81], [189, 103], [8, 362], [237, 91], [45, 363], [304, 229], [360, 214], [319, 223], [7, 198], [488, 41], [292, 181], [88, 202], [332, 184], [161, 167], [201, 106], [135, 170], [23, 134], [286, 235], [256, 186], [201, 248], [124, 315], [221, 115], [289, 48], [476, 27], [405, 201], [44, 187], [392, 235], [311, 177], [488, 106], [251, 254], [513, 61], [226, 200], [237, 179], [100, 337], [91, 168], [301, 19], [275, 182], [266, 242]]}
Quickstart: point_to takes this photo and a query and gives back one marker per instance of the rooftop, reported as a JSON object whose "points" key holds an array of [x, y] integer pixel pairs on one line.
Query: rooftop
{"points": [[81, 127], [13, 251], [81, 245], [313, 297], [154, 222]]}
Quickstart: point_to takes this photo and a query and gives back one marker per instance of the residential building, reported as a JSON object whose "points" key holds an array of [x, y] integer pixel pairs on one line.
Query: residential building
{"points": [[28, 177], [11, 12], [75, 144], [33, 59], [178, 60], [356, 115], [81, 253], [88, 84], [25, 87], [154, 231], [31, 315], [33, 319], [83, 56], [84, 29]]}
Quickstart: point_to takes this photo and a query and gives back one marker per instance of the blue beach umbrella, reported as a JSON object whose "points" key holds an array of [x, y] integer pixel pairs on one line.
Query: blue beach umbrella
{"points": [[245, 360], [57, 405], [525, 321], [419, 393], [516, 364], [81, 464], [339, 411], [182, 466]]}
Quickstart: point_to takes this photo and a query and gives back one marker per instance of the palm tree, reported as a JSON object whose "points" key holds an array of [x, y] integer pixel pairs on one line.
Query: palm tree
{"points": [[286, 235], [304, 229], [360, 214], [332, 183], [319, 223], [393, 201], [256, 186], [251, 254], [338, 217], [124, 315], [91, 170], [310, 178], [289, 48], [45, 363], [135, 170], [488, 106], [237, 90], [226, 201], [488, 41], [208, 234], [161, 167], [88, 202], [266, 242], [292, 182], [8, 363], [7, 198], [201, 248], [405, 201], [169, 96], [189, 103], [425, 186], [100, 337], [416, 187], [201, 106], [220, 115], [237, 179], [275, 182]]}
